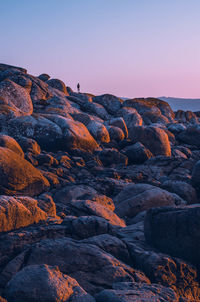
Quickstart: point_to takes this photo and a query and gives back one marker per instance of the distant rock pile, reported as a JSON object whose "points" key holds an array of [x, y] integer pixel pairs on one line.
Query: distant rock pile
{"points": [[99, 196]]}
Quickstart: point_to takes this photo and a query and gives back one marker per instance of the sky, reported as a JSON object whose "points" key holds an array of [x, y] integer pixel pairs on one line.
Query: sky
{"points": [[129, 48]]}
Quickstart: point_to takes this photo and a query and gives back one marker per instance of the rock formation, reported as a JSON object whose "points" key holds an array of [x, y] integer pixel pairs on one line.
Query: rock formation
{"points": [[99, 195]]}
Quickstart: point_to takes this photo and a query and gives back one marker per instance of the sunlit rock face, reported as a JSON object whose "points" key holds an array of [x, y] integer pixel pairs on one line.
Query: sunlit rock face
{"points": [[99, 195], [154, 138], [19, 212], [44, 282], [18, 176]]}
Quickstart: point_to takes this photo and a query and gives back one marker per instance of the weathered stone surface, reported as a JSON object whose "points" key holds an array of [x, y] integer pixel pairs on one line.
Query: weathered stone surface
{"points": [[99, 131], [10, 143], [110, 102], [191, 135], [154, 105], [17, 176], [134, 292], [186, 117], [44, 283], [115, 133], [110, 156], [16, 97], [162, 269], [175, 231], [93, 268], [183, 189], [137, 153], [139, 197], [44, 77], [120, 123], [81, 208], [19, 212], [58, 84], [153, 138], [131, 117]]}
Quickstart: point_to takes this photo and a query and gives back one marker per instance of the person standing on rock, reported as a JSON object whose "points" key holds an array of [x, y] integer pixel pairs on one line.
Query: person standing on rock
{"points": [[78, 87]]}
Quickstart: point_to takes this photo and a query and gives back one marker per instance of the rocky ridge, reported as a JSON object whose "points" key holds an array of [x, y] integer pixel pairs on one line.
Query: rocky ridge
{"points": [[99, 195]]}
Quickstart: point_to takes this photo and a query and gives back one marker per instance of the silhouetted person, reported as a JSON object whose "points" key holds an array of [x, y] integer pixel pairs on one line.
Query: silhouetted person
{"points": [[78, 87]]}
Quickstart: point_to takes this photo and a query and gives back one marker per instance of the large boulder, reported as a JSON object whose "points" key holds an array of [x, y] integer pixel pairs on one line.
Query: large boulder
{"points": [[99, 131], [153, 138], [75, 134], [88, 207], [93, 268], [16, 97], [136, 198], [10, 143], [181, 188], [190, 136], [47, 134], [110, 102], [175, 231], [18, 176], [17, 212], [44, 283], [186, 117], [116, 134], [58, 84], [131, 117], [120, 123], [137, 153], [153, 105]]}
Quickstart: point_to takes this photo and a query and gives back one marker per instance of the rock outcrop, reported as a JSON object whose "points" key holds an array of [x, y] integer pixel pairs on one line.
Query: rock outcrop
{"points": [[99, 195]]}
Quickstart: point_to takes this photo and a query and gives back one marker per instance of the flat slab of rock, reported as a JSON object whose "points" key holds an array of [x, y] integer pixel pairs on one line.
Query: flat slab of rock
{"points": [[175, 231]]}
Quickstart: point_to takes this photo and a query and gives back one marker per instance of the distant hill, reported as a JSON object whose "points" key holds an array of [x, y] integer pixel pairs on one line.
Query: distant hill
{"points": [[181, 103]]}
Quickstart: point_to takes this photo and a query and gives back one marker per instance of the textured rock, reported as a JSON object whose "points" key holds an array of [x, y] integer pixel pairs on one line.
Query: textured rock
{"points": [[131, 117], [110, 102], [10, 143], [120, 123], [191, 135], [99, 131], [80, 208], [139, 197], [137, 153], [17, 176], [153, 138], [115, 133], [19, 212], [45, 283], [16, 97], [175, 231], [93, 268], [153, 105], [183, 189], [58, 84], [134, 292], [110, 156]]}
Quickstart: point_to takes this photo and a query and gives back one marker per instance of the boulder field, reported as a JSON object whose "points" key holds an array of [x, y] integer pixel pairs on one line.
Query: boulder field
{"points": [[99, 196]]}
